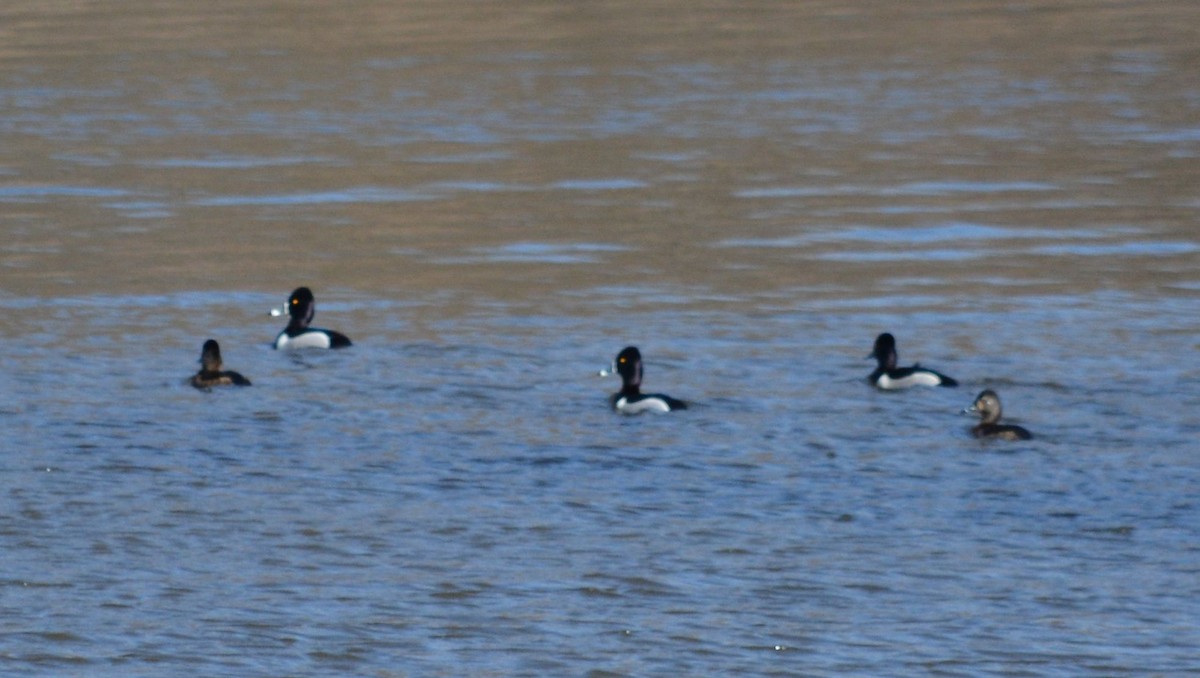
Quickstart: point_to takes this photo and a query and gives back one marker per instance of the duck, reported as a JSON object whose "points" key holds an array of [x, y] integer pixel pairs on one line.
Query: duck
{"points": [[301, 307], [987, 404], [630, 399], [211, 374], [889, 377]]}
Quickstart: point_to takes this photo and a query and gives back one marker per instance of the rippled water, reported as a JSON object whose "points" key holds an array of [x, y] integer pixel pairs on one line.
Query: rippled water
{"points": [[491, 204]]}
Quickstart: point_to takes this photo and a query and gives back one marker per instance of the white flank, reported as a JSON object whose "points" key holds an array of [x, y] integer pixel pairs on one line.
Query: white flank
{"points": [[914, 379], [306, 340], [643, 405]]}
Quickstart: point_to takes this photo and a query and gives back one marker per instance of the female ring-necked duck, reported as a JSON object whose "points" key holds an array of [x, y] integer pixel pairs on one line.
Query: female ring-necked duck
{"points": [[889, 377], [987, 404], [301, 307], [630, 399], [210, 373]]}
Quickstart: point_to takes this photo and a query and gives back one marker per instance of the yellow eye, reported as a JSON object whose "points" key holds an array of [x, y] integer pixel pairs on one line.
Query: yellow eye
{"points": [[622, 361]]}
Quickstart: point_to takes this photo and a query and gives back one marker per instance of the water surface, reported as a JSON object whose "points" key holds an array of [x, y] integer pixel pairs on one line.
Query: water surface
{"points": [[492, 201]]}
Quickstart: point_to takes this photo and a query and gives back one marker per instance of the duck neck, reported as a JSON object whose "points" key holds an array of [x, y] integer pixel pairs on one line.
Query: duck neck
{"points": [[888, 361]]}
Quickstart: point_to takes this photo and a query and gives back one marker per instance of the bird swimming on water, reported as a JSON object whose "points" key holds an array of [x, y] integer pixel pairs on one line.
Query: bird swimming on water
{"points": [[987, 404], [211, 374], [630, 399], [890, 378], [301, 308]]}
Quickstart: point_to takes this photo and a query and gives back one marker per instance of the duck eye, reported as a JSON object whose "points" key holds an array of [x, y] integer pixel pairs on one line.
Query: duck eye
{"points": [[622, 361]]}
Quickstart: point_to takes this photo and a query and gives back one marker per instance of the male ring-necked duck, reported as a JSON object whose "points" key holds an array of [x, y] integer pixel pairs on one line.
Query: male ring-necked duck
{"points": [[301, 307], [987, 404], [630, 399], [889, 377], [210, 373]]}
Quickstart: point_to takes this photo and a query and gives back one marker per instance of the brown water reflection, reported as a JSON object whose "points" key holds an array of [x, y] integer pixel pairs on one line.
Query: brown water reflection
{"points": [[509, 151]]}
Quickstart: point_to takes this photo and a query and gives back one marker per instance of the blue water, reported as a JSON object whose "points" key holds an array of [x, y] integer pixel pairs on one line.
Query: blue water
{"points": [[469, 505]]}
